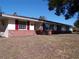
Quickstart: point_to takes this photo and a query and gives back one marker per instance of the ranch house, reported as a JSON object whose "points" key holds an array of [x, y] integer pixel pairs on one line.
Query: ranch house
{"points": [[14, 25]]}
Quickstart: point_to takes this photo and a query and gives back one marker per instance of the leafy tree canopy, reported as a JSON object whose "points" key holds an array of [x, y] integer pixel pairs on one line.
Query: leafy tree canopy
{"points": [[66, 7]]}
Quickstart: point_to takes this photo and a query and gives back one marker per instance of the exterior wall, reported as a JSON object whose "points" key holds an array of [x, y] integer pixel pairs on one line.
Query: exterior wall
{"points": [[14, 33], [31, 26], [11, 24]]}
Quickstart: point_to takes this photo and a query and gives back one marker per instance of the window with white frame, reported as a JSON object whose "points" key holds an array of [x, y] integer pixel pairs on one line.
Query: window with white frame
{"points": [[21, 25]]}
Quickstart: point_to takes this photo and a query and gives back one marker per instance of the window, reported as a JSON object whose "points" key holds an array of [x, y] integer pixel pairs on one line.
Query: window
{"points": [[21, 25], [51, 27], [46, 26]]}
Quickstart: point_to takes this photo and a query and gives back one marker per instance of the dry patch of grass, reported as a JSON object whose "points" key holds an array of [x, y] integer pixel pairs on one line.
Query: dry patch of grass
{"points": [[40, 47]]}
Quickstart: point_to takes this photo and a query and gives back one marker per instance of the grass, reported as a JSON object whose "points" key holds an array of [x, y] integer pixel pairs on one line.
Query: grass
{"points": [[63, 46]]}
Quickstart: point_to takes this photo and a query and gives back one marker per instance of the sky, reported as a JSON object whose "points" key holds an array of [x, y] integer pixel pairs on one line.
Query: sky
{"points": [[32, 8]]}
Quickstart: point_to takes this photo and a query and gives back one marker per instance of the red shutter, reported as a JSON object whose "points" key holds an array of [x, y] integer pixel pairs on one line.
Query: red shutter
{"points": [[28, 25], [16, 24]]}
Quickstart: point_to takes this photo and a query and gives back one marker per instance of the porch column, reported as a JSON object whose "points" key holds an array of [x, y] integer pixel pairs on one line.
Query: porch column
{"points": [[28, 25], [16, 24]]}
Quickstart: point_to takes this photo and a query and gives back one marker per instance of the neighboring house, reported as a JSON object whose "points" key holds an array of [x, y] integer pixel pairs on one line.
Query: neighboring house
{"points": [[14, 25]]}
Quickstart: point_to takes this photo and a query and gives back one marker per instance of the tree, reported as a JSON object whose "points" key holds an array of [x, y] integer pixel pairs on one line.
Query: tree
{"points": [[76, 24], [68, 8], [42, 18], [15, 13]]}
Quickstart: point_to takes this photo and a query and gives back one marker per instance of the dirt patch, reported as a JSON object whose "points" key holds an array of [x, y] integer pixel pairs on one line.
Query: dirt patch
{"points": [[64, 46]]}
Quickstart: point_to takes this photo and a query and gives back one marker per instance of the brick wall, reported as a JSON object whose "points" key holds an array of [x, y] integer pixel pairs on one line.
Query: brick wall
{"points": [[14, 33]]}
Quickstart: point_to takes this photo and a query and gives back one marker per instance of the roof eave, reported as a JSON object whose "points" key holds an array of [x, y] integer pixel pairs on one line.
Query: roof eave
{"points": [[16, 17]]}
